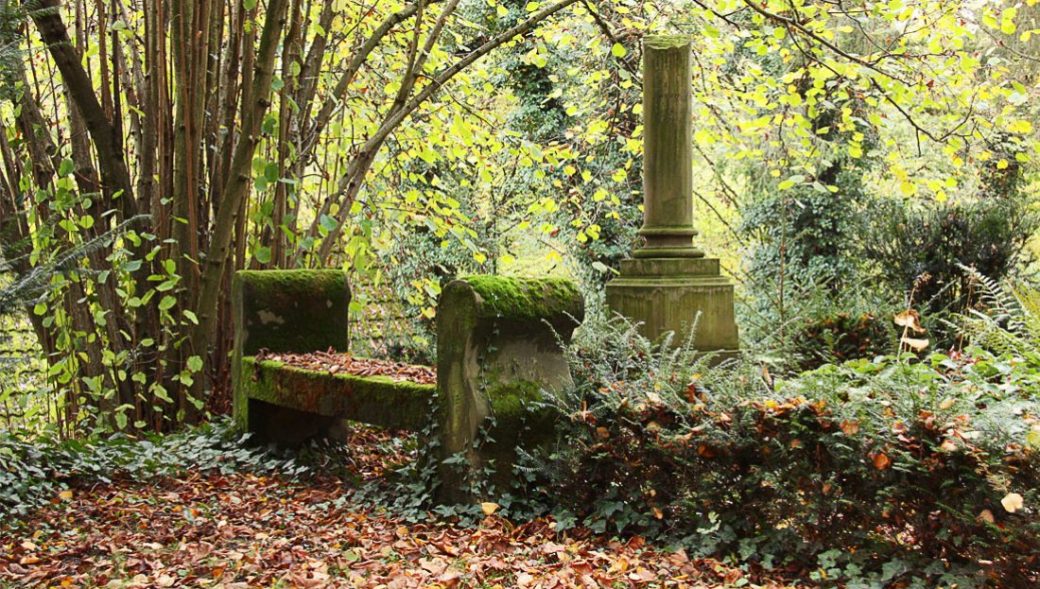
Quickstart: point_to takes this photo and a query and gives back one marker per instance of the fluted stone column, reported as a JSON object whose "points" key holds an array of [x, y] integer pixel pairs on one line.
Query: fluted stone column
{"points": [[668, 284]]}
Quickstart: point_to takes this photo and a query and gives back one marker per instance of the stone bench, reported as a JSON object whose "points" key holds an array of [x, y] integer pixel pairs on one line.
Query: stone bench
{"points": [[282, 311], [498, 348]]}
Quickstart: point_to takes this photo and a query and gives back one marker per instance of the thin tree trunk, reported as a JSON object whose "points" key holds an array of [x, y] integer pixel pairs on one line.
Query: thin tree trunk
{"points": [[236, 187]]}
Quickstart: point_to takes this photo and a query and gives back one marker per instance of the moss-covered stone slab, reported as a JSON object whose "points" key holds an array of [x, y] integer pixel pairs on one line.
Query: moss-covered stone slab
{"points": [[498, 350], [377, 400], [291, 310]]}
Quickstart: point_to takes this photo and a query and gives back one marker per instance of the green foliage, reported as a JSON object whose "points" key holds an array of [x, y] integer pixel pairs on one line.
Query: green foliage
{"points": [[12, 18], [1007, 321], [34, 470], [927, 247], [862, 473]]}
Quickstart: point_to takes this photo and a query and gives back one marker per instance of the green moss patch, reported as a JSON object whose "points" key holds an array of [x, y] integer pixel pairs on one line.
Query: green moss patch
{"points": [[378, 400], [527, 298], [292, 310]]}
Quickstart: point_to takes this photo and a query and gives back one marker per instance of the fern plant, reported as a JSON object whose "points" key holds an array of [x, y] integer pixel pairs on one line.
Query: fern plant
{"points": [[1008, 321]]}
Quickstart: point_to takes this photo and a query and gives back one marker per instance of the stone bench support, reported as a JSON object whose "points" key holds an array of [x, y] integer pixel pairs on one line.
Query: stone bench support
{"points": [[498, 350], [283, 311]]}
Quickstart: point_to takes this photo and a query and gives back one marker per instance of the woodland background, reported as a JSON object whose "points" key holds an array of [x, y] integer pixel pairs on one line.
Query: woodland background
{"points": [[865, 170], [854, 160]]}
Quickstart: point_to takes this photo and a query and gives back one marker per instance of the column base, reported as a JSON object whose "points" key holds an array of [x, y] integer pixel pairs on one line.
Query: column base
{"points": [[666, 294]]}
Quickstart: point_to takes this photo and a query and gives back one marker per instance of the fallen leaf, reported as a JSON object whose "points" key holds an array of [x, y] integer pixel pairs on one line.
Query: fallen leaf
{"points": [[1012, 502], [850, 428], [909, 319], [915, 344], [882, 461]]}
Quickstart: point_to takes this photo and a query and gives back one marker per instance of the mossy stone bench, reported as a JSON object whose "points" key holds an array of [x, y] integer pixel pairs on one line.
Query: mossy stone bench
{"points": [[300, 311], [498, 347]]}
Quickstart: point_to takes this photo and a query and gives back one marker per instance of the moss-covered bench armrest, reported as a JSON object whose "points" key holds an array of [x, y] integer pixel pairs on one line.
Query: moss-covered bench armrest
{"points": [[377, 400], [286, 311], [290, 310], [498, 349]]}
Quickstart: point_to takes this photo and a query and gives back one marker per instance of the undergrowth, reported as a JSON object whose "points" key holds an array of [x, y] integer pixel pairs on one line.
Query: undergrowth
{"points": [[36, 470], [906, 470]]}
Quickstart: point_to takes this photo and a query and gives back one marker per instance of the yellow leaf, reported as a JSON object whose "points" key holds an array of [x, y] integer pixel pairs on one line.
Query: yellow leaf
{"points": [[1012, 502], [1020, 126], [65, 495], [915, 344], [909, 319], [488, 507]]}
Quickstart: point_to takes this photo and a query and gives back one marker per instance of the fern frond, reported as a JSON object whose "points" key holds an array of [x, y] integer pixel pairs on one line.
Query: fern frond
{"points": [[1009, 320]]}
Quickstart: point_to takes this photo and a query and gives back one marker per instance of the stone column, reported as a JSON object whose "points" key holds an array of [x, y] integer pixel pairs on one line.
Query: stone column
{"points": [[667, 150], [668, 284]]}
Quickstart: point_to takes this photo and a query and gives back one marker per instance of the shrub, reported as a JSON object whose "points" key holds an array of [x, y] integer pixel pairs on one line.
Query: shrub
{"points": [[928, 247], [865, 471]]}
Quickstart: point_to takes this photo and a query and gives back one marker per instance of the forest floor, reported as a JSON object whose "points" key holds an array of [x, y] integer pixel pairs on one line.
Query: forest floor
{"points": [[247, 530]]}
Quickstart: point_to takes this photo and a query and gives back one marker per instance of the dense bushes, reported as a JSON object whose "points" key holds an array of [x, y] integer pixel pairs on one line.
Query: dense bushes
{"points": [[864, 471], [927, 247]]}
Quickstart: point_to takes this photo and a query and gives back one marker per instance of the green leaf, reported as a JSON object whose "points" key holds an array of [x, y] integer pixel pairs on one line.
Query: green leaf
{"points": [[167, 303], [262, 254], [618, 50], [66, 167]]}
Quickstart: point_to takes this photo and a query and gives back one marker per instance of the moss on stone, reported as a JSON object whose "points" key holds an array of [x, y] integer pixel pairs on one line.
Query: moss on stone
{"points": [[524, 299], [292, 310], [513, 399], [378, 400]]}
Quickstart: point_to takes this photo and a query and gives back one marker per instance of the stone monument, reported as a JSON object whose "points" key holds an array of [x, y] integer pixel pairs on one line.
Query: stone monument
{"points": [[668, 284]]}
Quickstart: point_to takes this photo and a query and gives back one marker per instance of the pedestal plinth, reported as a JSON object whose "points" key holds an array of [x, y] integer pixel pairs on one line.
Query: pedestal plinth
{"points": [[667, 294]]}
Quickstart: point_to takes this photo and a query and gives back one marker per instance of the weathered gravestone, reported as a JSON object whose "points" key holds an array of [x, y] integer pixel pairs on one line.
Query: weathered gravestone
{"points": [[498, 351], [668, 285]]}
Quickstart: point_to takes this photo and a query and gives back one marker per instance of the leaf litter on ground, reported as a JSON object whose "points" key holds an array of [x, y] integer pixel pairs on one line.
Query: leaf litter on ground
{"points": [[243, 529]]}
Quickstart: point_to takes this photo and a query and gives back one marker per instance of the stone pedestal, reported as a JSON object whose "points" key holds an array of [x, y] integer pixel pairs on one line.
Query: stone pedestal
{"points": [[669, 285], [672, 294]]}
